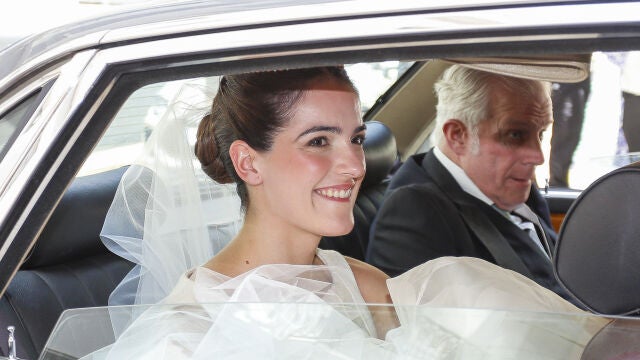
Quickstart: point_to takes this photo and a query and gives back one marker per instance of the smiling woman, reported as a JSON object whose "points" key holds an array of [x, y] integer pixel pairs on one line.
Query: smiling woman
{"points": [[291, 140]]}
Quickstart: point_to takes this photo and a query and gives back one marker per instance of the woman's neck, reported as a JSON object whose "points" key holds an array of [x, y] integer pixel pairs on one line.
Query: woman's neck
{"points": [[259, 244]]}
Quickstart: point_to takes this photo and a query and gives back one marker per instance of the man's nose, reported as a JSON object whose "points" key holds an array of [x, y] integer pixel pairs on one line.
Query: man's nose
{"points": [[535, 155]]}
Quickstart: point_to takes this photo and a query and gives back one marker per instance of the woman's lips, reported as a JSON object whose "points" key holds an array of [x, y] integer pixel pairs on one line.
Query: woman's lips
{"points": [[337, 193]]}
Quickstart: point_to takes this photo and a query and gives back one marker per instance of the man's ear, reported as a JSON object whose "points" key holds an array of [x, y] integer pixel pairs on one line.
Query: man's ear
{"points": [[457, 135], [242, 156]]}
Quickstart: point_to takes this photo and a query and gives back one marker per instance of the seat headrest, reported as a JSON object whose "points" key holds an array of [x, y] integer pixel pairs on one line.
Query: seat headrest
{"points": [[73, 229], [380, 152], [598, 249]]}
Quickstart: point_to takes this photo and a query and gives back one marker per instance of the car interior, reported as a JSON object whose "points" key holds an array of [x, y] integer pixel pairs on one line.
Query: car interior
{"points": [[69, 267]]}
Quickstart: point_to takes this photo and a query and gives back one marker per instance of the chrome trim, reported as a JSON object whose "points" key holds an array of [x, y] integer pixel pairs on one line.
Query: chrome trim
{"points": [[21, 94], [37, 136], [562, 193], [49, 56], [54, 167], [306, 34], [541, 15]]}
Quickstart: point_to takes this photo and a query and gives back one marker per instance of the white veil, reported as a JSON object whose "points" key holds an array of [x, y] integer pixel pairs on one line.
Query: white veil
{"points": [[167, 216]]}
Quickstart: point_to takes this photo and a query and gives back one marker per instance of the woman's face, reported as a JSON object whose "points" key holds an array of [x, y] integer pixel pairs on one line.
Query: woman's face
{"points": [[314, 169]]}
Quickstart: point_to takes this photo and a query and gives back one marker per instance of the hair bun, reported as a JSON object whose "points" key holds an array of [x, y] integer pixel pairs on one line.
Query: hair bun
{"points": [[208, 152]]}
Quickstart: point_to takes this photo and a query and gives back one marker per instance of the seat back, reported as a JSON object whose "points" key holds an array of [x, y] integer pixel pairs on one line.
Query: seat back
{"points": [[598, 249], [381, 154], [69, 267]]}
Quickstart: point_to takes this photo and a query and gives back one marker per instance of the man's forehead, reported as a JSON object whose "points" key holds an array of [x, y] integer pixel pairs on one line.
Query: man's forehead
{"points": [[515, 109], [532, 122]]}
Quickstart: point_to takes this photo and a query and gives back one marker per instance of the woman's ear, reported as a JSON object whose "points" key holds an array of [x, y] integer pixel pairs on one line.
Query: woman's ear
{"points": [[456, 135], [242, 156]]}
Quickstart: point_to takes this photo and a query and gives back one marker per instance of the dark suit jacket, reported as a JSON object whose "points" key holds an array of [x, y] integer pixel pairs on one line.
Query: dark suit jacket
{"points": [[426, 215]]}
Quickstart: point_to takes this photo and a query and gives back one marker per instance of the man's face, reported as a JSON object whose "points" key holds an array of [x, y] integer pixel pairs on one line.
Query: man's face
{"points": [[508, 148]]}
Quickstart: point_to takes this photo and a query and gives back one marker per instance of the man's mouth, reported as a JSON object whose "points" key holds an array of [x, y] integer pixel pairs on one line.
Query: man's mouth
{"points": [[521, 180]]}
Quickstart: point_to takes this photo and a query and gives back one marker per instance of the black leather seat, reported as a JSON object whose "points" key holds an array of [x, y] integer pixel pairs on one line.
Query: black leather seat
{"points": [[69, 266], [597, 257], [381, 154], [598, 249]]}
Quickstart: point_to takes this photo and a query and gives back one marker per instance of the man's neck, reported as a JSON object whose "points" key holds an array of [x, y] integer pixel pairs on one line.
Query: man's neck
{"points": [[458, 174]]}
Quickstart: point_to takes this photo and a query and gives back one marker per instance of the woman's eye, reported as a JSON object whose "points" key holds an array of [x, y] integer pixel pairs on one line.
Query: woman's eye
{"points": [[358, 140], [319, 142]]}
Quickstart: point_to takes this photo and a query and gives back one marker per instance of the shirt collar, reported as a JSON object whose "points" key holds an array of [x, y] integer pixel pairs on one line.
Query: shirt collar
{"points": [[463, 180]]}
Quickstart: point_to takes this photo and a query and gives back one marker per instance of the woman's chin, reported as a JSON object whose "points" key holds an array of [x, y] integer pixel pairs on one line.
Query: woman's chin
{"points": [[338, 228]]}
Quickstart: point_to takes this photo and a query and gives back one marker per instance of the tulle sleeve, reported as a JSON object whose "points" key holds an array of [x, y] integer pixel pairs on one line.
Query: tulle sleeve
{"points": [[470, 308]]}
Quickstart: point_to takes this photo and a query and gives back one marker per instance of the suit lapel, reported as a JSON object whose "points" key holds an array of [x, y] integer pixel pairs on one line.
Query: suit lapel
{"points": [[474, 214]]}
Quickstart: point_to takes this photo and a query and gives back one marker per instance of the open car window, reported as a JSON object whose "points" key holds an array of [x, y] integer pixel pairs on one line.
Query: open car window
{"points": [[592, 135], [586, 141], [135, 121]]}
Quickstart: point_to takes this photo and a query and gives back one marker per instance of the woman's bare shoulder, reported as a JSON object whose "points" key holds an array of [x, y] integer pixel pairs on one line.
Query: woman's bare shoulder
{"points": [[372, 281]]}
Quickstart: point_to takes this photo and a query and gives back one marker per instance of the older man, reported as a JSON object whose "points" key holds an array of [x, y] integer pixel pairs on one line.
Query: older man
{"points": [[466, 196]]}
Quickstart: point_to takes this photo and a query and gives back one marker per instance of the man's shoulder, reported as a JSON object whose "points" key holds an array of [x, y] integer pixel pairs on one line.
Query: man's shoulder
{"points": [[423, 195], [410, 172]]}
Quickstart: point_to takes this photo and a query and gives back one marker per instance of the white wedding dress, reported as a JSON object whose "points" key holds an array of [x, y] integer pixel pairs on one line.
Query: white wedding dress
{"points": [[317, 312], [271, 312]]}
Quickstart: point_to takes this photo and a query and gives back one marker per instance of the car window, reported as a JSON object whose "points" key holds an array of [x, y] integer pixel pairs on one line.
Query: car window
{"points": [[586, 141], [133, 124], [13, 121], [597, 123], [135, 121], [373, 79]]}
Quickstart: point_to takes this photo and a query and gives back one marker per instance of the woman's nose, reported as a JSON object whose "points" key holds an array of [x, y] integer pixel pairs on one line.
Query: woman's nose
{"points": [[353, 162]]}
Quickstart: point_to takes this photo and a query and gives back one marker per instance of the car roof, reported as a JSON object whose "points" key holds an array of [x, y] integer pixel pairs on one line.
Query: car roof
{"points": [[160, 20]]}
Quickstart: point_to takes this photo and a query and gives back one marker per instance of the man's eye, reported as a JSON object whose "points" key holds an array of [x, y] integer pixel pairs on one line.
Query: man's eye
{"points": [[515, 135], [318, 142], [358, 140]]}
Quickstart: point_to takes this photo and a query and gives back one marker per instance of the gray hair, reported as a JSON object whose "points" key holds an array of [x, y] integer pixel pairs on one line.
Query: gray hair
{"points": [[464, 94]]}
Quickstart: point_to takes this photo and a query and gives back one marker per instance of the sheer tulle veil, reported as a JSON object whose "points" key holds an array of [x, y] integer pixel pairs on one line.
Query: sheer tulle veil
{"points": [[167, 216]]}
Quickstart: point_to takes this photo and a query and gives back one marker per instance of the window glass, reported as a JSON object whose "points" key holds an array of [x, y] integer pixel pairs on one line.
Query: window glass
{"points": [[374, 79], [123, 141], [13, 121], [596, 123]]}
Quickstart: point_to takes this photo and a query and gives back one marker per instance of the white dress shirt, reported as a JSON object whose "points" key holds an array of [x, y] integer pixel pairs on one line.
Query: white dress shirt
{"points": [[472, 189]]}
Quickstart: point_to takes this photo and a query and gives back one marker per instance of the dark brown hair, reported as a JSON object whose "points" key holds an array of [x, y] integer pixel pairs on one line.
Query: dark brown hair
{"points": [[253, 107]]}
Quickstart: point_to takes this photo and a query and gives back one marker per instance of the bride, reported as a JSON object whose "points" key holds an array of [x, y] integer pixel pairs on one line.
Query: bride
{"points": [[291, 142]]}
